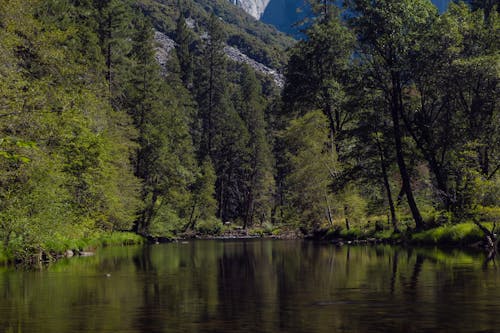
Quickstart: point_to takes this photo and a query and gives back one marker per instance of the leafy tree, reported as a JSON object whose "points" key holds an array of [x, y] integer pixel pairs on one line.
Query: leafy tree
{"points": [[317, 73], [388, 31], [311, 165]]}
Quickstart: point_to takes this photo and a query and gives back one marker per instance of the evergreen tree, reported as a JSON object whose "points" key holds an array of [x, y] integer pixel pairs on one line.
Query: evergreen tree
{"points": [[260, 188], [211, 89], [185, 39], [114, 19], [165, 158]]}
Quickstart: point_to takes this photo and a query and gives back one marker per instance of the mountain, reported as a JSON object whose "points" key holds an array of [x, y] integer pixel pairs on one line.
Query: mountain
{"points": [[253, 7], [284, 14], [257, 40]]}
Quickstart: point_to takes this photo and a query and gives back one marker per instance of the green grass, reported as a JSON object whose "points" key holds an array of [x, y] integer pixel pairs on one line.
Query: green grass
{"points": [[387, 235], [458, 234], [113, 239], [59, 244], [448, 234], [352, 234]]}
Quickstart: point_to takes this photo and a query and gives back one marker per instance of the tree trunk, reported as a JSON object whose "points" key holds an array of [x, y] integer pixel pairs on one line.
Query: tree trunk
{"points": [[249, 210], [221, 201], [328, 211], [396, 108], [347, 225], [387, 185]]}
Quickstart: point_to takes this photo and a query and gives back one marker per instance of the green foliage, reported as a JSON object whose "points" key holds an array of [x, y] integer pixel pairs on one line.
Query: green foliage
{"points": [[95, 137], [411, 106], [311, 165], [211, 226]]}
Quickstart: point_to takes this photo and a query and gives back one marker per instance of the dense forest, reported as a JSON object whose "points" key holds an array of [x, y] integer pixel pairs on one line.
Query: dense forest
{"points": [[389, 120]]}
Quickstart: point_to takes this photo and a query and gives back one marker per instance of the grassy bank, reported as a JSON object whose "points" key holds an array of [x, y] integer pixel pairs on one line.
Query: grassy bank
{"points": [[462, 234], [58, 245], [97, 240], [459, 234]]}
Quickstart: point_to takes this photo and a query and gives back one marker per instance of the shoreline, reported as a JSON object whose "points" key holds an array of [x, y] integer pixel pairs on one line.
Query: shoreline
{"points": [[459, 236]]}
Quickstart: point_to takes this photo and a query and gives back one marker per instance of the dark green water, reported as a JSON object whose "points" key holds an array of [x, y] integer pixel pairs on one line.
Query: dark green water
{"points": [[255, 286]]}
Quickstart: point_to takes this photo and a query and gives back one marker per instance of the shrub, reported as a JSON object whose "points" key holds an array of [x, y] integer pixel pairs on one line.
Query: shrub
{"points": [[209, 226]]}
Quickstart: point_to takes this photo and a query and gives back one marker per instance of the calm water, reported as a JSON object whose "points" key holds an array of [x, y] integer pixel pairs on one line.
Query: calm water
{"points": [[255, 286]]}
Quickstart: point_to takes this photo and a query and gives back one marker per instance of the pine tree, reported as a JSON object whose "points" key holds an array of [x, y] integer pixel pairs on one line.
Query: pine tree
{"points": [[260, 188], [185, 39], [114, 30], [211, 88]]}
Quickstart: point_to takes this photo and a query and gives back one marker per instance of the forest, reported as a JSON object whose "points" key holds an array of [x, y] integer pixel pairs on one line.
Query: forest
{"points": [[387, 125]]}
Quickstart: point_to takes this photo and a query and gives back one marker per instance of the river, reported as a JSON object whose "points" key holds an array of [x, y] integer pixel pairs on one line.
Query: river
{"points": [[255, 286]]}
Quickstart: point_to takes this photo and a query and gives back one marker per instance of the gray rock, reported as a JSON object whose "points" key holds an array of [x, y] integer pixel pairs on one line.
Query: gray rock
{"points": [[165, 45], [253, 7]]}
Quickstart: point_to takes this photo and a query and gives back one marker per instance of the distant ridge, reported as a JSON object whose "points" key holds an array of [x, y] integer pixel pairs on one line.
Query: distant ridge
{"points": [[284, 14]]}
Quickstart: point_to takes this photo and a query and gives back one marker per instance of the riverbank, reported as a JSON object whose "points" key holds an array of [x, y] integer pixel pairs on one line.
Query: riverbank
{"points": [[60, 247], [451, 235], [463, 235]]}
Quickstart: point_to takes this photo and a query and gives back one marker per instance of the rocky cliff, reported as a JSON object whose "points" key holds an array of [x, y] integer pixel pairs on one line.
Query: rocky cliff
{"points": [[253, 7]]}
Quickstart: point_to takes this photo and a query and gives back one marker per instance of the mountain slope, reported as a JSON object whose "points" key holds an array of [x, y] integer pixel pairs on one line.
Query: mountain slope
{"points": [[259, 41]]}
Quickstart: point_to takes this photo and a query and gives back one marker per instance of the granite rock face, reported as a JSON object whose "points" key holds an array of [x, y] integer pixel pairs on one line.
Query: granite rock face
{"points": [[253, 7]]}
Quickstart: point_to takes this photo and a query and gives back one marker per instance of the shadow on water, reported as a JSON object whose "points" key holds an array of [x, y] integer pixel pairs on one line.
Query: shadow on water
{"points": [[256, 286]]}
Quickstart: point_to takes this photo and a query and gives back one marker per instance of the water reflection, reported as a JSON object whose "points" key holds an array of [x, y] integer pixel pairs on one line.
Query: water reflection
{"points": [[255, 286]]}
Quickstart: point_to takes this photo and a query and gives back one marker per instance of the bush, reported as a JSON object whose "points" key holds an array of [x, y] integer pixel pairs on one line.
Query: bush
{"points": [[210, 226], [166, 223]]}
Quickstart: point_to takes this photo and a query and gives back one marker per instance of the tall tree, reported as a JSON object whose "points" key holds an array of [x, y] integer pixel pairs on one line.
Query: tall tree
{"points": [[185, 39], [260, 187], [114, 22], [387, 31], [211, 89], [317, 73]]}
